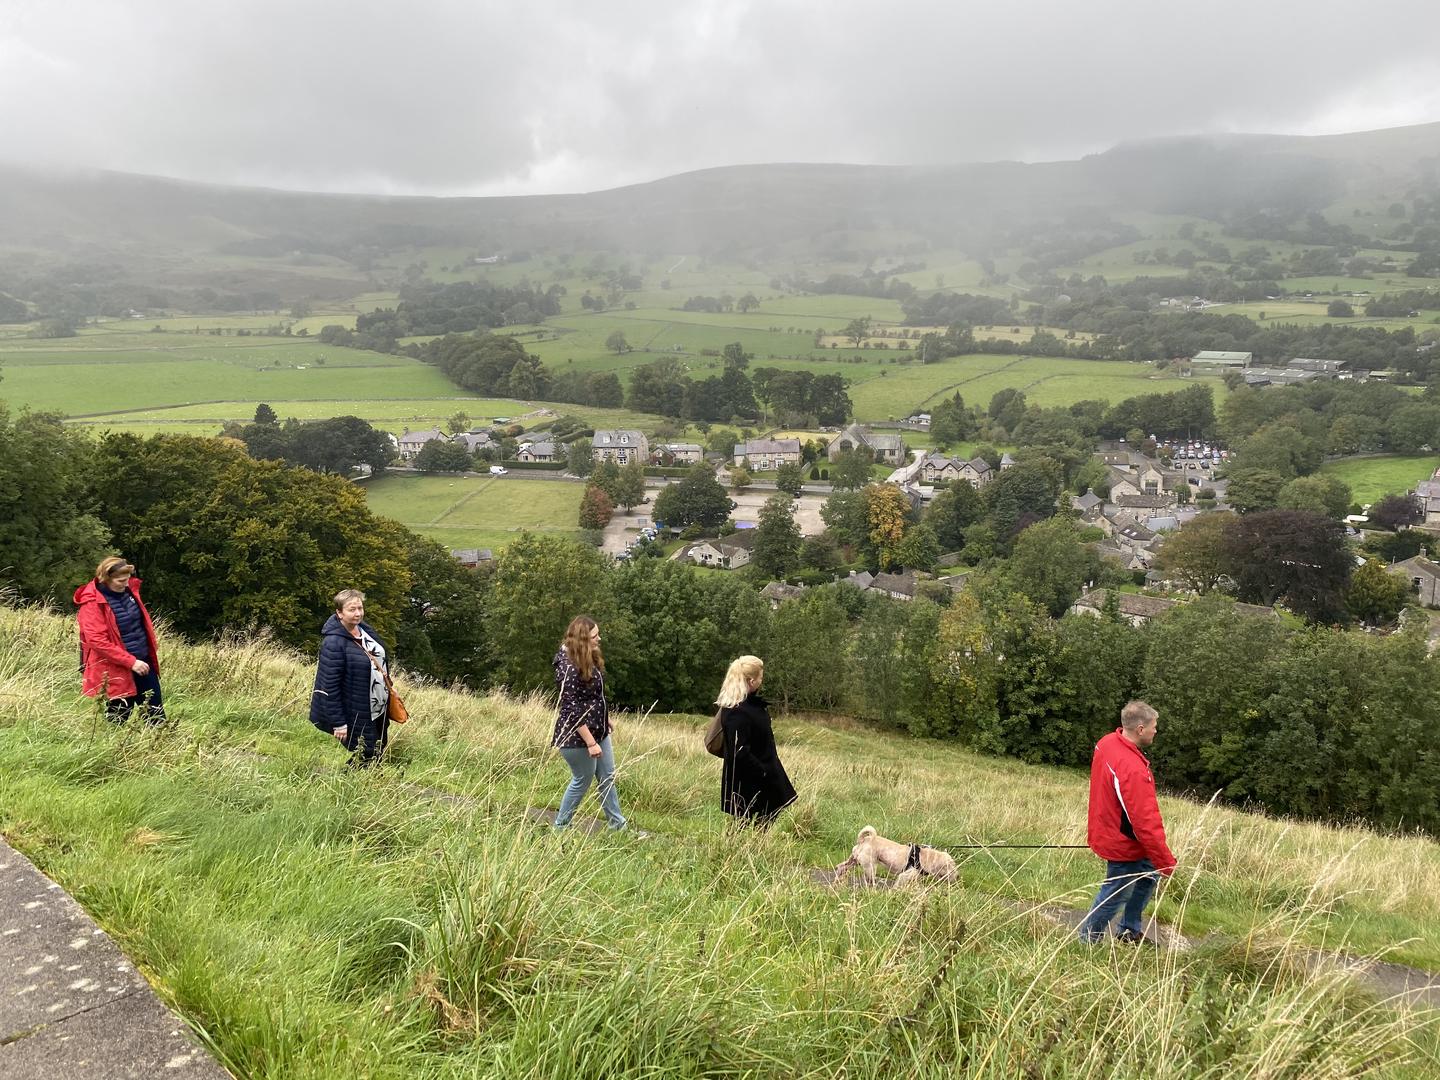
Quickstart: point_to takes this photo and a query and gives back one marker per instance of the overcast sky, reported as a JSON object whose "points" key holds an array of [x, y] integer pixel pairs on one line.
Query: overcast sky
{"points": [[483, 97]]}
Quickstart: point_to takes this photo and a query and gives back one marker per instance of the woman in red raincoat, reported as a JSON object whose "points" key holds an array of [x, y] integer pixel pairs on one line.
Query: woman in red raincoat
{"points": [[118, 652]]}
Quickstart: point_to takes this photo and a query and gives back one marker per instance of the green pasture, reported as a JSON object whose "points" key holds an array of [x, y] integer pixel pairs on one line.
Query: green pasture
{"points": [[476, 511], [1046, 381], [106, 387], [1375, 475]]}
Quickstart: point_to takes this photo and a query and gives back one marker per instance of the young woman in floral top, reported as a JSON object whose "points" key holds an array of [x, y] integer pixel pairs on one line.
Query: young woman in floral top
{"points": [[582, 723]]}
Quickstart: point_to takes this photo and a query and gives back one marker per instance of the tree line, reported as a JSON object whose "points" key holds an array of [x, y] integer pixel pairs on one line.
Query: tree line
{"points": [[1314, 722]]}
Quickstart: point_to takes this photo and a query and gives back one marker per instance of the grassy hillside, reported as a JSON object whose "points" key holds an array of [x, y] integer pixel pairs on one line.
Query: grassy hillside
{"points": [[313, 922]]}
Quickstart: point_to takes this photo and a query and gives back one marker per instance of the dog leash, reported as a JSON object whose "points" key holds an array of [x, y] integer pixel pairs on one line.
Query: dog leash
{"points": [[1002, 845]]}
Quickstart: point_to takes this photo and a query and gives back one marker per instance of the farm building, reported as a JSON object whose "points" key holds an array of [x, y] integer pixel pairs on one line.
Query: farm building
{"points": [[1273, 376], [1210, 358], [1330, 368]]}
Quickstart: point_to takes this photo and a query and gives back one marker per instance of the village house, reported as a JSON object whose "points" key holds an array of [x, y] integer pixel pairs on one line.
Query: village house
{"points": [[938, 467], [767, 454], [1138, 610], [1146, 479], [472, 557], [1088, 506], [889, 449], [536, 451], [474, 440], [1423, 574], [1428, 492], [412, 442], [728, 552], [677, 453], [1163, 501], [1007, 462], [624, 446], [777, 592]]}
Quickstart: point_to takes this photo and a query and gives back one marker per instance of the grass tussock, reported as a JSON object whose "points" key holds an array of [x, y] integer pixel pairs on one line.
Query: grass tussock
{"points": [[313, 921]]}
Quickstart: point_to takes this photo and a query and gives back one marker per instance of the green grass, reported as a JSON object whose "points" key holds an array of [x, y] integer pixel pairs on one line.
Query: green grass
{"points": [[477, 511], [314, 923], [1382, 474]]}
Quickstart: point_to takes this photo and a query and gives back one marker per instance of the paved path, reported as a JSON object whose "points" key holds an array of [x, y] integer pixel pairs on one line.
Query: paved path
{"points": [[71, 1006]]}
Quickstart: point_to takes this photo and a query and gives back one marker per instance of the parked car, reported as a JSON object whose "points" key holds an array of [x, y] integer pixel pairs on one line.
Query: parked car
{"points": [[498, 470]]}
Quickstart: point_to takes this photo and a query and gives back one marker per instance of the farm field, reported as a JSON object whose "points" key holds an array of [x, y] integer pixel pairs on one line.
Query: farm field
{"points": [[477, 511], [1372, 476], [1312, 313], [1046, 381]]}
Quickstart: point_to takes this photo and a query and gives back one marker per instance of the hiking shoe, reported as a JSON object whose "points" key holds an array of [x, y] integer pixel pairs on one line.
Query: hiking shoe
{"points": [[1131, 937]]}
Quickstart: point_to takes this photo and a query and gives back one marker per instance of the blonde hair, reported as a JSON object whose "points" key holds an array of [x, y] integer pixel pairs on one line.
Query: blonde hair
{"points": [[344, 596], [583, 653], [736, 688], [111, 568]]}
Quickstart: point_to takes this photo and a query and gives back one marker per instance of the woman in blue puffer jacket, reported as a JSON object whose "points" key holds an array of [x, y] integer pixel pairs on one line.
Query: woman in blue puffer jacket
{"points": [[351, 700]]}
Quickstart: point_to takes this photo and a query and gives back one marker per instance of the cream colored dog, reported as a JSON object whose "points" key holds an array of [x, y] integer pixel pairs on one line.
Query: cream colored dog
{"points": [[907, 862]]}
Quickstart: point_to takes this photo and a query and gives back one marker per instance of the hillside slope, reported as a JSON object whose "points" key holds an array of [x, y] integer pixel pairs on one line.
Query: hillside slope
{"points": [[738, 208], [314, 922]]}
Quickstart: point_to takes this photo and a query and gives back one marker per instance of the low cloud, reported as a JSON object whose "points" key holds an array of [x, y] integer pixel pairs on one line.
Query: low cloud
{"points": [[453, 97]]}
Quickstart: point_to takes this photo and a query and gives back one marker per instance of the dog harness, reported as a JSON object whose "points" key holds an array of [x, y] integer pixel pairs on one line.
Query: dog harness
{"points": [[913, 863]]}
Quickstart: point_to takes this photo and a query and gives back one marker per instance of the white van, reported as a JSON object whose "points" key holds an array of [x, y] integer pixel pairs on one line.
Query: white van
{"points": [[498, 470]]}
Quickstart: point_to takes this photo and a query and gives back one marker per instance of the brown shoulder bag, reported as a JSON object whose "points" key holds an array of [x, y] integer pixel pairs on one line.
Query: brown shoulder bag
{"points": [[394, 707]]}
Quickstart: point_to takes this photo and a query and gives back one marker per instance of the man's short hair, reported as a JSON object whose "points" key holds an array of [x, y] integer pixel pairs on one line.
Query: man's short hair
{"points": [[1136, 713]]}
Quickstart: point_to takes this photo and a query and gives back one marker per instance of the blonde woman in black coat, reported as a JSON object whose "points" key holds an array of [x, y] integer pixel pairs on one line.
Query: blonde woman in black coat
{"points": [[754, 787]]}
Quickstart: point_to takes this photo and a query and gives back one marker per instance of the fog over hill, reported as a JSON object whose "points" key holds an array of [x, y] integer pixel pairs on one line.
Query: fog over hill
{"points": [[777, 209]]}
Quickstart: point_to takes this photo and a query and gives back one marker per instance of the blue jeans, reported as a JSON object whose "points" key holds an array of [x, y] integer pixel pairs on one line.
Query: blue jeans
{"points": [[583, 769], [1128, 883]]}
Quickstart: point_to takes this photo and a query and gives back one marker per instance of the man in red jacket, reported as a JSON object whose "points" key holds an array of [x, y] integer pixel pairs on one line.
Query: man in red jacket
{"points": [[1125, 827]]}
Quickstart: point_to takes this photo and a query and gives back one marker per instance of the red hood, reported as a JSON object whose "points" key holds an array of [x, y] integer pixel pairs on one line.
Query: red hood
{"points": [[89, 593]]}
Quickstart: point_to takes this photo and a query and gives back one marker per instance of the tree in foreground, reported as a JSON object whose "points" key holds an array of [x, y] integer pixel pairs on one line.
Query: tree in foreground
{"points": [[441, 455], [850, 470], [776, 552], [1198, 554], [887, 516], [1291, 556], [698, 499], [596, 509], [540, 584], [790, 478], [50, 539], [630, 487], [1376, 596]]}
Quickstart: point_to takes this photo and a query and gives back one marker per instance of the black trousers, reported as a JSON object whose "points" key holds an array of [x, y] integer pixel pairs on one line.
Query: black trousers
{"points": [[369, 738], [146, 698]]}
